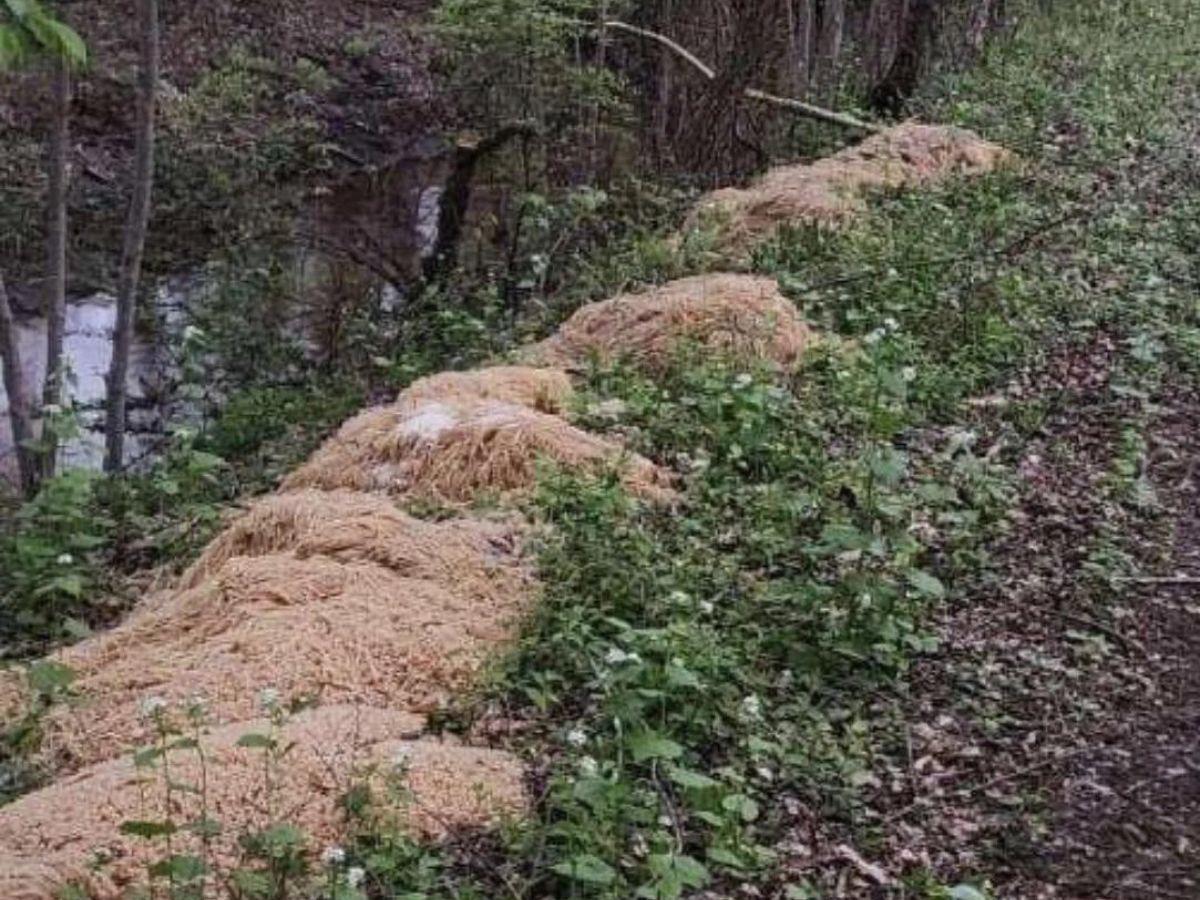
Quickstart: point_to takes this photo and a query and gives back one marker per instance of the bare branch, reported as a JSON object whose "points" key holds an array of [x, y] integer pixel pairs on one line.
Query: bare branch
{"points": [[805, 109]]}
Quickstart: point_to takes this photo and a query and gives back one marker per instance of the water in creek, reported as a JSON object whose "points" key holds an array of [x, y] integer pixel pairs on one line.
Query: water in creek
{"points": [[386, 215], [87, 350]]}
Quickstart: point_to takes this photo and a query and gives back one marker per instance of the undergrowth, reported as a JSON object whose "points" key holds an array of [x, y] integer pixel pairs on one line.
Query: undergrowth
{"points": [[697, 680]]}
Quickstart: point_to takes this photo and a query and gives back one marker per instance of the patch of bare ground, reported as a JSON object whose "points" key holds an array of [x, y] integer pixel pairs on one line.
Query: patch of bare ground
{"points": [[1048, 747], [1125, 812]]}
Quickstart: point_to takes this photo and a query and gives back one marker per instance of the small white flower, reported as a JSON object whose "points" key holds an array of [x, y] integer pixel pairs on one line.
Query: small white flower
{"points": [[909, 373], [355, 875], [268, 699], [765, 773], [891, 324], [333, 856], [150, 707], [65, 559], [640, 847], [576, 737], [706, 607], [743, 381], [678, 598], [874, 337], [588, 766], [616, 656], [752, 706]]}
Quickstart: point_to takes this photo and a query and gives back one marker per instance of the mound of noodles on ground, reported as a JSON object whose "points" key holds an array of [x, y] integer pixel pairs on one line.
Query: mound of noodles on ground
{"points": [[51, 837], [353, 632], [742, 316], [546, 390], [831, 190], [352, 527], [462, 452]]}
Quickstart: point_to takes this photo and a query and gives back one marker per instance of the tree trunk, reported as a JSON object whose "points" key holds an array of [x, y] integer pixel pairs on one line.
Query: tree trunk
{"points": [[135, 237], [902, 78], [801, 20], [981, 23], [18, 396], [56, 253], [829, 46], [456, 197]]}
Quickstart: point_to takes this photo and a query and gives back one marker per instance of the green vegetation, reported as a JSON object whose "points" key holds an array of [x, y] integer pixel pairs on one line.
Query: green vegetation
{"points": [[694, 678], [698, 672]]}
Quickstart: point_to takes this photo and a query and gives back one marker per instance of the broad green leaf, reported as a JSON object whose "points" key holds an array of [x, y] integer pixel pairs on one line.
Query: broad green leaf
{"points": [[588, 869], [742, 805], [258, 741], [205, 828], [147, 829], [179, 868], [689, 779], [68, 43], [649, 745], [724, 857], [926, 584], [49, 677], [14, 49], [147, 756]]}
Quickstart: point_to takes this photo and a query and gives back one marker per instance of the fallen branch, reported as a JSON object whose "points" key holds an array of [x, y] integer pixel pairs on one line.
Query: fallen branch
{"points": [[799, 106], [876, 873], [1169, 579]]}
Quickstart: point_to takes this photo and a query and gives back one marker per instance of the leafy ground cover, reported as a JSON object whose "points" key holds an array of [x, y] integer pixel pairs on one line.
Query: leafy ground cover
{"points": [[922, 624], [903, 637]]}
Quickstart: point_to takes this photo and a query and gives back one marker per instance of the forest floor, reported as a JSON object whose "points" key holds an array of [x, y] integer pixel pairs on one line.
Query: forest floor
{"points": [[1049, 744]]}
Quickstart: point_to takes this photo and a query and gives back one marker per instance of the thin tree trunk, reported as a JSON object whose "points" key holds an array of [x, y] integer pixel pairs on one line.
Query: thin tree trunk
{"points": [[981, 23], [829, 46], [56, 252], [801, 13], [18, 396], [135, 237]]}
